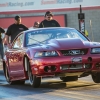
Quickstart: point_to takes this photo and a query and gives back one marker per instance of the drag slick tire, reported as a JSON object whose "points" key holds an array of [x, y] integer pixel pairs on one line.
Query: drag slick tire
{"points": [[20, 82], [96, 77], [69, 78], [34, 80]]}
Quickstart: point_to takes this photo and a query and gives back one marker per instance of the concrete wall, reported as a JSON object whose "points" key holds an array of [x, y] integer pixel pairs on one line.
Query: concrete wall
{"points": [[93, 15]]}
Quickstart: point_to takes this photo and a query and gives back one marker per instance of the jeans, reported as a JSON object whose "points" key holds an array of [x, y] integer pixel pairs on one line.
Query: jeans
{"points": [[1, 50]]}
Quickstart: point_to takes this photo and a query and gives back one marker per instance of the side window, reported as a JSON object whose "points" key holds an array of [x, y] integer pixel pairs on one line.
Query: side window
{"points": [[19, 41]]}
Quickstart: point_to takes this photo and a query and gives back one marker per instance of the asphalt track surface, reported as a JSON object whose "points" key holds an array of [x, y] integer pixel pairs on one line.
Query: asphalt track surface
{"points": [[50, 89]]}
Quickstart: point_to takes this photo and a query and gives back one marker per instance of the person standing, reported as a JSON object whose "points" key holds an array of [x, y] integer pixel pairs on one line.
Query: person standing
{"points": [[49, 21], [1, 42], [14, 29]]}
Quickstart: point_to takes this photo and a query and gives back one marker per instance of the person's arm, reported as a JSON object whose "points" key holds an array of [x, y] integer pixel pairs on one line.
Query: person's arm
{"points": [[8, 33], [6, 39], [25, 28], [57, 24]]}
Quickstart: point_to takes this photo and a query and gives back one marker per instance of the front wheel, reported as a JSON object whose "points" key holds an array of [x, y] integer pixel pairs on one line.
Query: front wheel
{"points": [[34, 81], [96, 77]]}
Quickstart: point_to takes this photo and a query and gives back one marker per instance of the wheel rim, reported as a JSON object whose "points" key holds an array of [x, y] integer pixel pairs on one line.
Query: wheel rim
{"points": [[31, 78], [27, 67]]}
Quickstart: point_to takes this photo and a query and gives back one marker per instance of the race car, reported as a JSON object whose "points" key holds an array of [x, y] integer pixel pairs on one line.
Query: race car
{"points": [[51, 52]]}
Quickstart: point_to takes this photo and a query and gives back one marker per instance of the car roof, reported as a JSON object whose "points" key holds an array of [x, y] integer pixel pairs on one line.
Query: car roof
{"points": [[48, 28]]}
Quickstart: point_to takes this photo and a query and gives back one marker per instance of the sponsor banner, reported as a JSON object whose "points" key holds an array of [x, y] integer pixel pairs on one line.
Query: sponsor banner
{"points": [[82, 25], [23, 5]]}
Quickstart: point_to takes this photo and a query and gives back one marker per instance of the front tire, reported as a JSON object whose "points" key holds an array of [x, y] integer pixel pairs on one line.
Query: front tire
{"points": [[96, 77], [34, 81]]}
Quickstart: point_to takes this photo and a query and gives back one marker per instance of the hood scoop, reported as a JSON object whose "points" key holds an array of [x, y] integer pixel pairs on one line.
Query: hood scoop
{"points": [[67, 43]]}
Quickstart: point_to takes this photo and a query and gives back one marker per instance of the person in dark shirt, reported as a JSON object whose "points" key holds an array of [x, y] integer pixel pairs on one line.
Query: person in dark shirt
{"points": [[15, 29], [49, 21], [1, 42]]}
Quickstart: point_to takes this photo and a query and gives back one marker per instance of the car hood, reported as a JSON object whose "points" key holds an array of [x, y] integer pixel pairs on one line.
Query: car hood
{"points": [[64, 44]]}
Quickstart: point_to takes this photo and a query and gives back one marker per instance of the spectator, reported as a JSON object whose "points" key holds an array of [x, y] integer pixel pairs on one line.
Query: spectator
{"points": [[49, 21], [15, 29], [36, 25], [1, 43]]}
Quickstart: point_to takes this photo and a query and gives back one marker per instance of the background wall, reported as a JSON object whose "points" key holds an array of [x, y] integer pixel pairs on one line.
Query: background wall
{"points": [[29, 20], [93, 15]]}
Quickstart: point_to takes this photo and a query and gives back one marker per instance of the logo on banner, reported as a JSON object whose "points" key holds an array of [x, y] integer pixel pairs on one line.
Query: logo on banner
{"points": [[44, 2], [82, 26]]}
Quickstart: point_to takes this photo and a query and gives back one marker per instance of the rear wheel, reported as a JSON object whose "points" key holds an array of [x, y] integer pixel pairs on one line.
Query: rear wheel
{"points": [[96, 77], [34, 81], [8, 78], [69, 78]]}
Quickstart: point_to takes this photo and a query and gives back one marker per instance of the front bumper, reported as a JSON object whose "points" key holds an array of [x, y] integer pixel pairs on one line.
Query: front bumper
{"points": [[65, 66]]}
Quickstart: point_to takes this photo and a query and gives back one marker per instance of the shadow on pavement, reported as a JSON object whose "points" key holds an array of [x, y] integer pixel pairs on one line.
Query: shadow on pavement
{"points": [[46, 87], [53, 85]]}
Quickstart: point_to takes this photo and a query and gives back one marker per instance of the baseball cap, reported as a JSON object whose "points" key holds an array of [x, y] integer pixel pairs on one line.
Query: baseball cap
{"points": [[48, 13], [17, 17]]}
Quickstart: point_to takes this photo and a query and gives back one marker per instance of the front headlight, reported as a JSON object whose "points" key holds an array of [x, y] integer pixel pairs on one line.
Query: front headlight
{"points": [[95, 50], [46, 54]]}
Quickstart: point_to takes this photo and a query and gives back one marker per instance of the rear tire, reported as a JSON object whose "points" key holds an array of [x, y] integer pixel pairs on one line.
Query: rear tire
{"points": [[8, 77], [96, 77], [21, 82], [69, 78], [34, 81]]}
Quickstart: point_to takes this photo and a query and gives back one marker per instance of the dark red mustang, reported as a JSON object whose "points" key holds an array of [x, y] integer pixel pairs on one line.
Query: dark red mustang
{"points": [[63, 52]]}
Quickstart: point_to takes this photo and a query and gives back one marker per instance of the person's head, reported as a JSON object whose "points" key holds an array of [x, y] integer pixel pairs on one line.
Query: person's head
{"points": [[36, 24], [48, 15], [17, 19]]}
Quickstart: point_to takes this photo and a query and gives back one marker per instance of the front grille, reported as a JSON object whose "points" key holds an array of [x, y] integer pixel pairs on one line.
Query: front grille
{"points": [[71, 67], [74, 52], [75, 66]]}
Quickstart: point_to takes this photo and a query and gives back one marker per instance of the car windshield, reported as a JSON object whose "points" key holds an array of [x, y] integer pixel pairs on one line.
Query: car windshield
{"points": [[42, 36]]}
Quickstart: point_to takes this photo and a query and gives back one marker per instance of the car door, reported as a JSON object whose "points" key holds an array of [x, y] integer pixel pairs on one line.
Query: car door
{"points": [[16, 58]]}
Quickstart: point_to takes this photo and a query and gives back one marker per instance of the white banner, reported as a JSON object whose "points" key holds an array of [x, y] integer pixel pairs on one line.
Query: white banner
{"points": [[23, 5]]}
